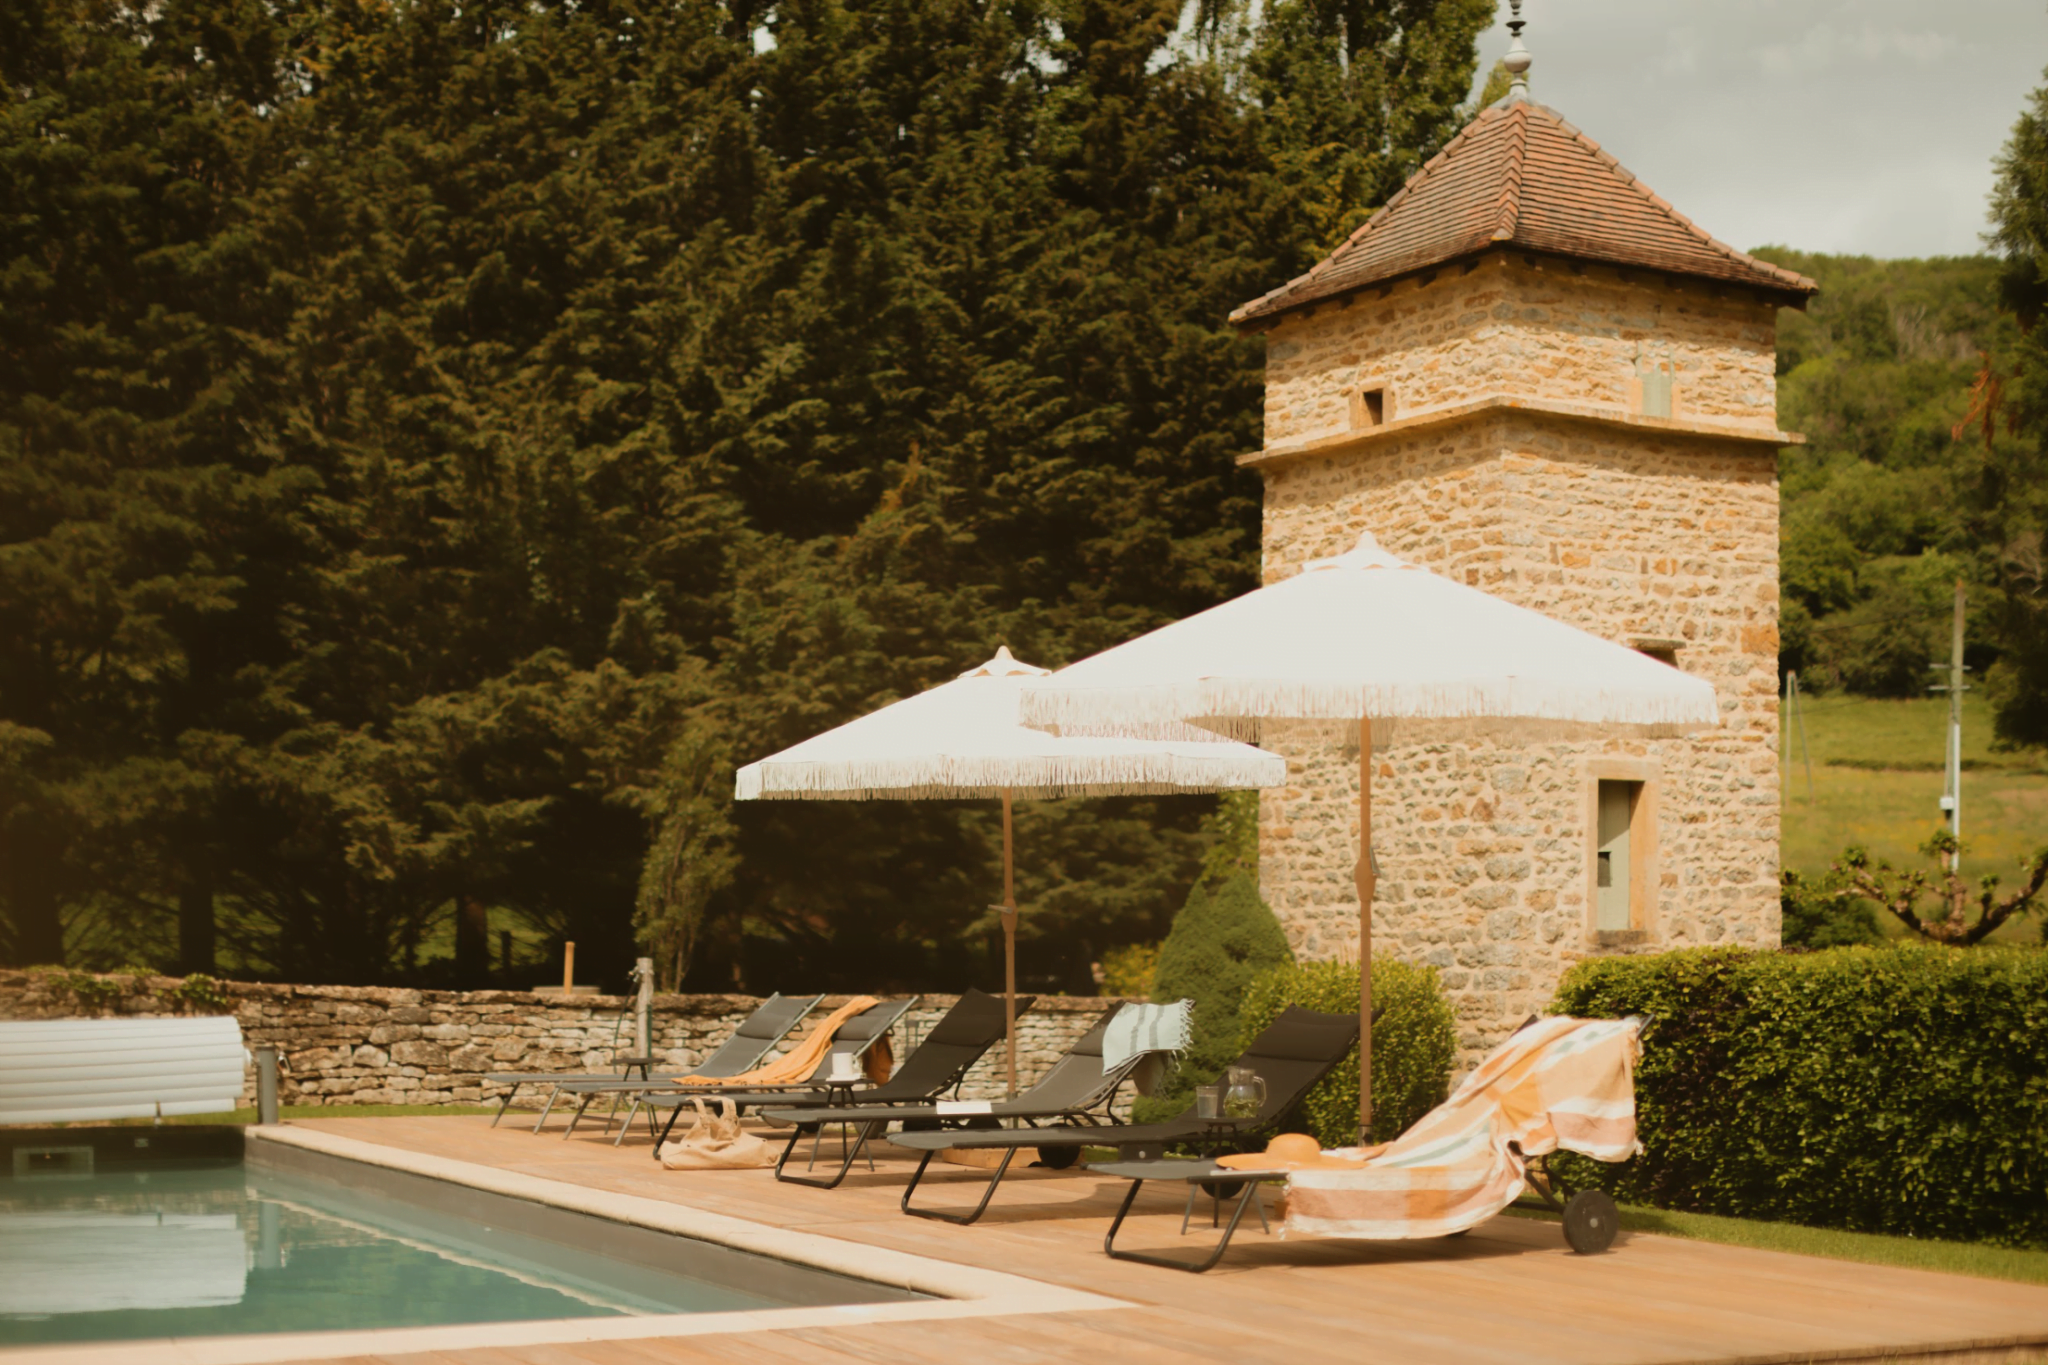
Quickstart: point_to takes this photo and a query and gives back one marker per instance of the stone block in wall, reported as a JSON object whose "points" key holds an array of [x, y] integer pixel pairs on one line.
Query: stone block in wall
{"points": [[419, 1053]]}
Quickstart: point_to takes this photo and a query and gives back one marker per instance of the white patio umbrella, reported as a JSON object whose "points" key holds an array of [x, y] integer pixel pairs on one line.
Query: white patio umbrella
{"points": [[1368, 642], [963, 739]]}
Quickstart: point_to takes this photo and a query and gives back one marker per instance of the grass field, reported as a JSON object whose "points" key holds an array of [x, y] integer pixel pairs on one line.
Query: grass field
{"points": [[1877, 782], [1912, 1253]]}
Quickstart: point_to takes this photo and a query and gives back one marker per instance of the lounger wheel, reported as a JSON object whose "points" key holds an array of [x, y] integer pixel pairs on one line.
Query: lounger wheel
{"points": [[1590, 1222], [1058, 1158]]}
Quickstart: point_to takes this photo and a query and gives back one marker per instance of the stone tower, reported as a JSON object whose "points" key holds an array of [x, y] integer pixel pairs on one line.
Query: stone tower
{"points": [[1530, 373]]}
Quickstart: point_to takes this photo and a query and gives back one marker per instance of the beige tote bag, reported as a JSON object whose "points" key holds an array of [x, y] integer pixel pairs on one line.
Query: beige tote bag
{"points": [[715, 1143]]}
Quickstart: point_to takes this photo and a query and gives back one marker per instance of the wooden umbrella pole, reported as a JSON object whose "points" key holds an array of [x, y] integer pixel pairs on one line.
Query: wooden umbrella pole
{"points": [[1009, 947], [1367, 878]]}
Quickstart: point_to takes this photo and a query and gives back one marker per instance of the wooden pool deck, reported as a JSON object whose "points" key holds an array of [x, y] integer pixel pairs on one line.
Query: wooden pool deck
{"points": [[1508, 1292]]}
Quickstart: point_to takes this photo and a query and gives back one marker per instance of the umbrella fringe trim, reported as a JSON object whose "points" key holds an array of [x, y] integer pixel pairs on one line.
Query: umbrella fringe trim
{"points": [[940, 778], [1517, 708]]}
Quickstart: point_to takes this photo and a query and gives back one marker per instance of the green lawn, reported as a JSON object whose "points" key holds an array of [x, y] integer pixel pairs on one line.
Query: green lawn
{"points": [[1877, 782], [1912, 1253]]}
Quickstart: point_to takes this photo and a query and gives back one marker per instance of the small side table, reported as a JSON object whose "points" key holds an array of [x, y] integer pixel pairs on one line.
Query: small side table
{"points": [[1194, 1173]]}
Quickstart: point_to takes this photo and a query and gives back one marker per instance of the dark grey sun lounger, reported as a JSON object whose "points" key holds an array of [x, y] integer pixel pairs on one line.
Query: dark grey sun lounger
{"points": [[853, 1039], [756, 1036], [519, 1080], [1075, 1085], [938, 1064], [1294, 1052]]}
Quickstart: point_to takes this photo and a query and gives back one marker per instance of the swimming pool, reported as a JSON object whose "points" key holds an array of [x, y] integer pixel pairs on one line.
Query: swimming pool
{"points": [[100, 1241]]}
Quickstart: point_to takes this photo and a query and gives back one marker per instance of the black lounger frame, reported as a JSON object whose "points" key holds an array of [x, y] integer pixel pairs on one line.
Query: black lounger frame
{"points": [[1314, 1042], [938, 1064], [854, 1038]]}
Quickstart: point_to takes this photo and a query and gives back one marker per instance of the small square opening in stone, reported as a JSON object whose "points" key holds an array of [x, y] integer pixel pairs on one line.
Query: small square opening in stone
{"points": [[1656, 384], [1372, 407]]}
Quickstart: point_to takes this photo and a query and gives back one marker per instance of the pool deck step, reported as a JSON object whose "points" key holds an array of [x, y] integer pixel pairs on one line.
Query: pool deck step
{"points": [[1508, 1292]]}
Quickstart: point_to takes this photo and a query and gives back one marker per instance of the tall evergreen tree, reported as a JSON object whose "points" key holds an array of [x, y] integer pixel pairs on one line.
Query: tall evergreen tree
{"points": [[2011, 483], [441, 440]]}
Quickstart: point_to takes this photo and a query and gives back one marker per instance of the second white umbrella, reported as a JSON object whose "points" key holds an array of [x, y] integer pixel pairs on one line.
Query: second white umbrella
{"points": [[964, 739]]}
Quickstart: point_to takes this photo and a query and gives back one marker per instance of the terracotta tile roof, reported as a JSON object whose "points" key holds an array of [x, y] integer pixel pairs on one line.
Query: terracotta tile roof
{"points": [[1520, 176]]}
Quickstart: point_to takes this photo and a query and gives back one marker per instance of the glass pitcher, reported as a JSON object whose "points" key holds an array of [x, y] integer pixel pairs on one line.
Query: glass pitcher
{"points": [[1245, 1093]]}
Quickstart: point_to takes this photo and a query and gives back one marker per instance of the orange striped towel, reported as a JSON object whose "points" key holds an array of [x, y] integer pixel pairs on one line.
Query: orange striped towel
{"points": [[799, 1062], [1558, 1084]]}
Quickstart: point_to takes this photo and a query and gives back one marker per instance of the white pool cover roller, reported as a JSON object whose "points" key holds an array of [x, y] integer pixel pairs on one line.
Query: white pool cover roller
{"points": [[68, 1070]]}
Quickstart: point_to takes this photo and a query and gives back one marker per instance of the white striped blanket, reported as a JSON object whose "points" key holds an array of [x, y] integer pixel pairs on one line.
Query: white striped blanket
{"points": [[1560, 1084], [1146, 1028]]}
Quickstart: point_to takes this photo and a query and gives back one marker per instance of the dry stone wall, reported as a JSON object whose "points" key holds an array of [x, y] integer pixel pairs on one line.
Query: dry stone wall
{"points": [[1485, 848], [376, 1045]]}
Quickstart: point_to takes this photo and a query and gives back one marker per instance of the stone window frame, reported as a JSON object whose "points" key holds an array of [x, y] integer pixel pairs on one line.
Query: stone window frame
{"points": [[1642, 849], [1361, 418]]}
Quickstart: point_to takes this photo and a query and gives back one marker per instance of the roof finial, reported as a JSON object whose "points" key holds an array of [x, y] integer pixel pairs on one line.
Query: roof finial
{"points": [[1517, 61]]}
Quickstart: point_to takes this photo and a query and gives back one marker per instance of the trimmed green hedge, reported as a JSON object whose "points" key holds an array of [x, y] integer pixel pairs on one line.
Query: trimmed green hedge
{"points": [[1413, 1044], [1900, 1090]]}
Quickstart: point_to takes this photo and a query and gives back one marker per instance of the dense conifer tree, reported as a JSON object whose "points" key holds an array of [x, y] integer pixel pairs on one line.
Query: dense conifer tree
{"points": [[2009, 479], [437, 441]]}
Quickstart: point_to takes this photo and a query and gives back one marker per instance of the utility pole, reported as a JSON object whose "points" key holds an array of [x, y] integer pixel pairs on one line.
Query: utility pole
{"points": [[1789, 715], [1785, 739], [1952, 787], [1805, 749]]}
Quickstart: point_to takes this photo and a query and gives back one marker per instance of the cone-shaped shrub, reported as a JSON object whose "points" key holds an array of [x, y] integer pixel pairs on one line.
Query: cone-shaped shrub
{"points": [[1223, 938]]}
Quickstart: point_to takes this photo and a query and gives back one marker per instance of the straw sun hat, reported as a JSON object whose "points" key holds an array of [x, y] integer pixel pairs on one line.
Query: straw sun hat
{"points": [[1290, 1152]]}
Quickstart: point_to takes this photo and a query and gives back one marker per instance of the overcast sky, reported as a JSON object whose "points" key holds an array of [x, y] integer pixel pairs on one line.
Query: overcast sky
{"points": [[1827, 125]]}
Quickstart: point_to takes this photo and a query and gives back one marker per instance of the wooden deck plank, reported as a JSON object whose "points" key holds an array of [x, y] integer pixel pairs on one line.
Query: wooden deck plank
{"points": [[1508, 1293]]}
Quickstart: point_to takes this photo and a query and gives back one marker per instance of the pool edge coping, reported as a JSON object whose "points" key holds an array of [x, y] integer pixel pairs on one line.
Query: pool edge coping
{"points": [[958, 1291]]}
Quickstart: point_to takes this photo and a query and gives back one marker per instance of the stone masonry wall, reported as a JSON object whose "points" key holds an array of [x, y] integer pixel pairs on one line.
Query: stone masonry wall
{"points": [[1484, 848], [377, 1045], [1504, 326]]}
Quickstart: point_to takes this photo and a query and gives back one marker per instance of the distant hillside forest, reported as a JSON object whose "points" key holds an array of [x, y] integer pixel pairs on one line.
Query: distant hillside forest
{"points": [[1906, 379]]}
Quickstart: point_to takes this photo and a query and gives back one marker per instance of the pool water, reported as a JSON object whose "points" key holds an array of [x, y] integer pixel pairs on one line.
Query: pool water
{"points": [[318, 1244]]}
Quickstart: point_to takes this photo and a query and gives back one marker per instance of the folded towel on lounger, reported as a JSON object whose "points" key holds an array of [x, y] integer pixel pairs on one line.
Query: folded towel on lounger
{"points": [[1146, 1028], [799, 1062]]}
